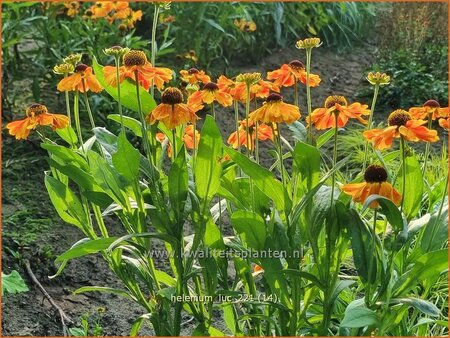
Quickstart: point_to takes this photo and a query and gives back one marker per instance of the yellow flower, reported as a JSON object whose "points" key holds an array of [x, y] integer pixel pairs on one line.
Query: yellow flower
{"points": [[378, 78], [274, 110], [308, 43]]}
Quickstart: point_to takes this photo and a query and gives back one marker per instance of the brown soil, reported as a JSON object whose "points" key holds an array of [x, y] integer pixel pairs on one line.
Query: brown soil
{"points": [[28, 313]]}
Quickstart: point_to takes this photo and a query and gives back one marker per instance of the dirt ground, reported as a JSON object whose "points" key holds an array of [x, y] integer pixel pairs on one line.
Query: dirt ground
{"points": [[25, 204]]}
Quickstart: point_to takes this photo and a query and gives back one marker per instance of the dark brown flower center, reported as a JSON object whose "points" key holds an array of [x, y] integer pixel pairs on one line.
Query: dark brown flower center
{"points": [[331, 101], [375, 174], [296, 64], [193, 71], [274, 97], [134, 58], [211, 86], [172, 96], [88, 13], [432, 104], [116, 48], [36, 109], [399, 118], [81, 68]]}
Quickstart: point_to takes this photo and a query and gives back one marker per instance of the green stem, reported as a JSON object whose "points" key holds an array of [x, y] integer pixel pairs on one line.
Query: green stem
{"points": [[280, 152], [153, 41], [333, 177], [368, 295], [427, 147], [296, 92], [369, 125], [213, 109], [256, 143], [143, 122], [174, 143], [403, 154], [247, 112], [69, 115], [88, 106], [308, 91], [236, 117], [76, 115], [117, 61]]}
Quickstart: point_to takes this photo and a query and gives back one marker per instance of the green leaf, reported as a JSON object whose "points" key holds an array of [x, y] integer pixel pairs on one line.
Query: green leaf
{"points": [[86, 247], [129, 122], [138, 323], [435, 234], [251, 228], [390, 210], [127, 92], [13, 283], [322, 139], [424, 306], [68, 135], [359, 316], [178, 183], [208, 167], [413, 188], [127, 159], [361, 239], [66, 203], [307, 161], [263, 179], [66, 155], [102, 289], [427, 266]]}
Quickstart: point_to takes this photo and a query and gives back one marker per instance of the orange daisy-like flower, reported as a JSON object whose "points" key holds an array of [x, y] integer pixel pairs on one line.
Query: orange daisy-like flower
{"points": [[444, 123], [264, 133], [171, 111], [289, 74], [136, 65], [101, 9], [401, 124], [194, 76], [431, 108], [37, 115], [209, 94], [83, 79], [188, 139], [324, 118], [375, 184], [274, 110]]}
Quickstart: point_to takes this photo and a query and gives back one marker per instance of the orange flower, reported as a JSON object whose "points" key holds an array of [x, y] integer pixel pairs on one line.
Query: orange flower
{"points": [[238, 90], [257, 268], [101, 9], [37, 115], [194, 76], [324, 118], [136, 64], [171, 111], [400, 124], [375, 184], [188, 137], [264, 133], [82, 80], [290, 73], [209, 94], [444, 123], [431, 108], [274, 110]]}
